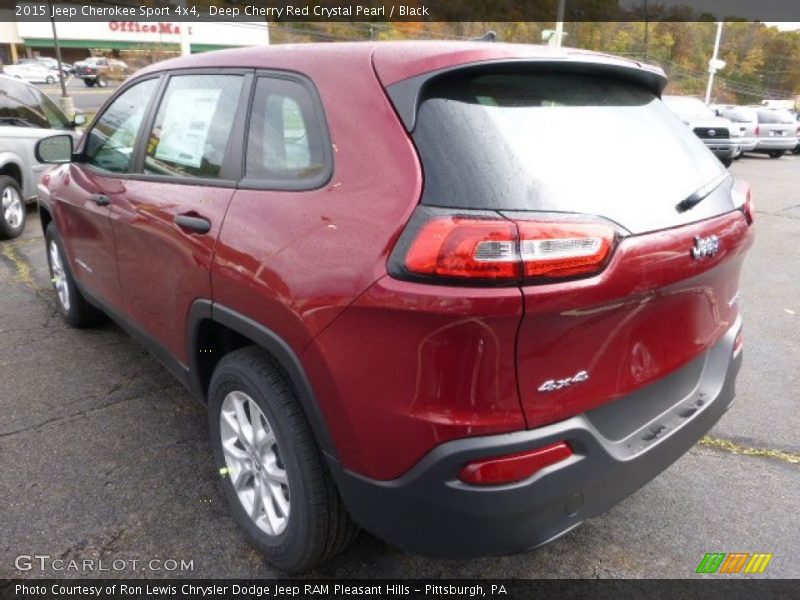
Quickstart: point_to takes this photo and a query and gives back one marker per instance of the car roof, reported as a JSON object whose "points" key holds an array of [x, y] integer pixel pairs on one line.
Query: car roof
{"points": [[393, 61]]}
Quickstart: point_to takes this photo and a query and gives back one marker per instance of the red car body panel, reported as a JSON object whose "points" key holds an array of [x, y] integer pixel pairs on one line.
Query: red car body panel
{"points": [[296, 260], [86, 228], [409, 366], [652, 310], [151, 248], [401, 61]]}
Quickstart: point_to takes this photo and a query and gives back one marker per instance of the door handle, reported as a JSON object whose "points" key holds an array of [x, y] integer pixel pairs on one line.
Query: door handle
{"points": [[198, 224], [101, 199]]}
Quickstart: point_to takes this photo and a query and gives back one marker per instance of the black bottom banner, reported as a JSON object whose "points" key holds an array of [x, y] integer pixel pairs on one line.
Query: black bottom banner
{"points": [[411, 589]]}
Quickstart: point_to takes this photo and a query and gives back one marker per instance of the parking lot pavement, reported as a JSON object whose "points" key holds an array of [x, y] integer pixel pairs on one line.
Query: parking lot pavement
{"points": [[105, 456], [86, 99]]}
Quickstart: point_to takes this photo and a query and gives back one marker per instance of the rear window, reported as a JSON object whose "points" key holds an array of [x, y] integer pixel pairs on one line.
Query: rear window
{"points": [[23, 106], [562, 143], [740, 114], [775, 116]]}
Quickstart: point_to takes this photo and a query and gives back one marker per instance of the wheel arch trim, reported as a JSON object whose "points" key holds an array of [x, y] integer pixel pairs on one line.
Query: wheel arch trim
{"points": [[269, 341]]}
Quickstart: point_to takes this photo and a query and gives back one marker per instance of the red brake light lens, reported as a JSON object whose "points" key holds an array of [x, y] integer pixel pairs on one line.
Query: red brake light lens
{"points": [[514, 467], [505, 251], [466, 248]]}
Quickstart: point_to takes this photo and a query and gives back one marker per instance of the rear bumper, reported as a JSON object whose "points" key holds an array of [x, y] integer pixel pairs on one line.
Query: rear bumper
{"points": [[770, 144], [748, 144], [617, 449]]}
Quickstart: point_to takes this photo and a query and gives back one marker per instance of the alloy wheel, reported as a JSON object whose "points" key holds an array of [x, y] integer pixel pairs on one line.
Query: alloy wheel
{"points": [[254, 463], [59, 275], [13, 208]]}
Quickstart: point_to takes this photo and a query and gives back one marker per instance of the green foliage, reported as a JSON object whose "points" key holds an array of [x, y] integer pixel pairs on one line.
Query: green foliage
{"points": [[762, 61]]}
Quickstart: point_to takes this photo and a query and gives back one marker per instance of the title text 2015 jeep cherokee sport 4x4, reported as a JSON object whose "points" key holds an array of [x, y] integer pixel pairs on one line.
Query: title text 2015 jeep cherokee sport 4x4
{"points": [[409, 299]]}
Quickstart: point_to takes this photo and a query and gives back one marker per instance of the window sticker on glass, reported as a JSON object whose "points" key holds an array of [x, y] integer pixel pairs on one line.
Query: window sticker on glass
{"points": [[183, 133], [192, 126]]}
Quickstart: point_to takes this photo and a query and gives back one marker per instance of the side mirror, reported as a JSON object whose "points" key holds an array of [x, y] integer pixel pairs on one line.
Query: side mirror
{"points": [[79, 119], [56, 149]]}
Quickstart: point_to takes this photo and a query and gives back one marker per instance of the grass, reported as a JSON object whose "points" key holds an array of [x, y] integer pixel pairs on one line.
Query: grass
{"points": [[734, 448]]}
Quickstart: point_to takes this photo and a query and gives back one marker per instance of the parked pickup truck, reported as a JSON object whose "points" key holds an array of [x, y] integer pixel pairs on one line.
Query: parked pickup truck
{"points": [[715, 132], [98, 70]]}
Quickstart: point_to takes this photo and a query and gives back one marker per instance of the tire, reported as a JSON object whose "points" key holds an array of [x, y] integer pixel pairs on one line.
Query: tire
{"points": [[101, 82], [88, 82], [71, 304], [12, 209], [50, 80], [315, 525], [727, 162], [776, 153], [796, 150]]}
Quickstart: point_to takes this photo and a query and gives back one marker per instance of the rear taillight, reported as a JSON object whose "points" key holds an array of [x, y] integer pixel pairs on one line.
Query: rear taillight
{"points": [[743, 200], [758, 130], [749, 212], [554, 250], [467, 248], [492, 249], [514, 467]]}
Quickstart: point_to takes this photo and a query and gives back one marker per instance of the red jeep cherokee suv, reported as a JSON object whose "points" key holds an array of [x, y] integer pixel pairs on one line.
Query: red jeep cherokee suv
{"points": [[463, 295]]}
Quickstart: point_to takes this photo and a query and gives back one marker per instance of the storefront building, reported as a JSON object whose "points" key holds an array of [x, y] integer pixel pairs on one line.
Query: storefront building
{"points": [[136, 42]]}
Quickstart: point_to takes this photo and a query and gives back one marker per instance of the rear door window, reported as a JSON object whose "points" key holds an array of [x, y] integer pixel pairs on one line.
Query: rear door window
{"points": [[288, 145], [558, 142], [192, 128]]}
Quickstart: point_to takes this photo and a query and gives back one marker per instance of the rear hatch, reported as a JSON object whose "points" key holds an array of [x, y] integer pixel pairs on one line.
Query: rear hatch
{"points": [[776, 124], [630, 232]]}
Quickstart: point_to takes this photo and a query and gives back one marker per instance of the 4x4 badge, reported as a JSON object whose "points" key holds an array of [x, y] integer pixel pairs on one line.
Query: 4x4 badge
{"points": [[556, 384], [704, 247]]}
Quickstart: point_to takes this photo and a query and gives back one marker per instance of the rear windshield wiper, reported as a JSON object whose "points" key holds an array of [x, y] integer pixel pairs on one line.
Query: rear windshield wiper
{"points": [[704, 192]]}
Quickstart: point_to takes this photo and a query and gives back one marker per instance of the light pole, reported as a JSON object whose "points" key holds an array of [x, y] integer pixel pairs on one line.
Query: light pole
{"points": [[559, 34], [715, 64], [646, 31], [67, 106]]}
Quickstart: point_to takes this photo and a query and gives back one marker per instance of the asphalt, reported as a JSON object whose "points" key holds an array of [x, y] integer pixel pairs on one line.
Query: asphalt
{"points": [[104, 456], [85, 99]]}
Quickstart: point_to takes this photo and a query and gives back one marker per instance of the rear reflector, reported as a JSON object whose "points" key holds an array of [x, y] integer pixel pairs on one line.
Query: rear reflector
{"points": [[514, 467], [501, 250]]}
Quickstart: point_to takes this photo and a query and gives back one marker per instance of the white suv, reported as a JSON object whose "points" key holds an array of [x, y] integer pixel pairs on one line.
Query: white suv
{"points": [[26, 116]]}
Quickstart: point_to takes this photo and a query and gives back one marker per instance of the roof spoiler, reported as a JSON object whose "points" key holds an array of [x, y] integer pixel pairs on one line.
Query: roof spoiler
{"points": [[406, 94]]}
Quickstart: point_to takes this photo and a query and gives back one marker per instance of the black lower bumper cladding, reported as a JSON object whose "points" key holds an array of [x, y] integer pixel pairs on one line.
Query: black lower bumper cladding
{"points": [[617, 449]]}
